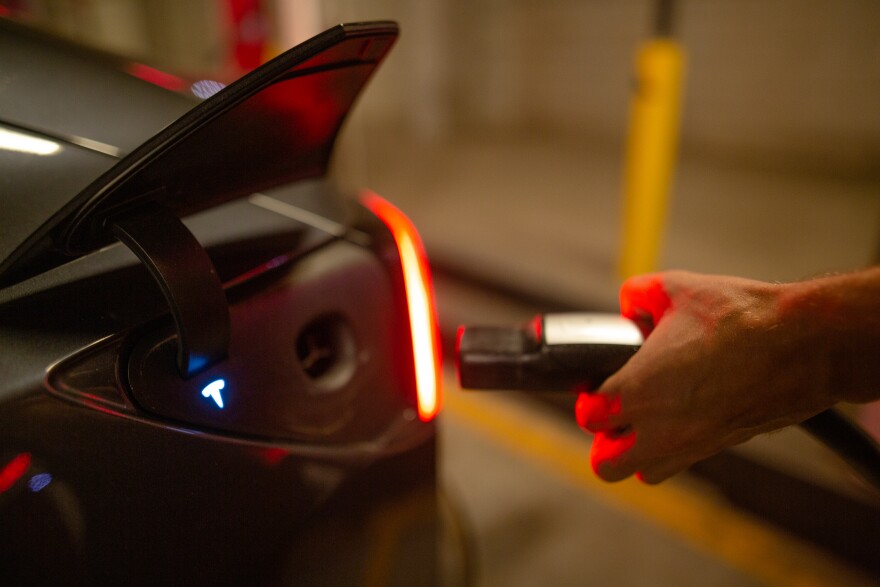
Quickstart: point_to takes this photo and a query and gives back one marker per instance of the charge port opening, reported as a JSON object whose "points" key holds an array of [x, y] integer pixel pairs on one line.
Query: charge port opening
{"points": [[326, 350]]}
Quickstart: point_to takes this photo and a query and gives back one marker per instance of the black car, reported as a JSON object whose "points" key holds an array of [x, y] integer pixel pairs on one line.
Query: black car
{"points": [[217, 368]]}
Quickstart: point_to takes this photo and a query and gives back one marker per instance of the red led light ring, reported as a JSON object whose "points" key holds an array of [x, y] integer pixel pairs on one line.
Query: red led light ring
{"points": [[420, 302]]}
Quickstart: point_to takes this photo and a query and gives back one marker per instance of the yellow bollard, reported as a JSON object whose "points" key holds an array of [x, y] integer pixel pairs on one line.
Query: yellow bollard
{"points": [[651, 153]]}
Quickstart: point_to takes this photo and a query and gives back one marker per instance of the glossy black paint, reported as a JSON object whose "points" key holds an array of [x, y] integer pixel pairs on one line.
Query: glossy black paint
{"points": [[268, 393], [128, 479], [275, 125]]}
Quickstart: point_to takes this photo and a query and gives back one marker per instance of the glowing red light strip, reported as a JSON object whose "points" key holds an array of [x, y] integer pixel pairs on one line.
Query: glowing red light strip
{"points": [[420, 303], [14, 470]]}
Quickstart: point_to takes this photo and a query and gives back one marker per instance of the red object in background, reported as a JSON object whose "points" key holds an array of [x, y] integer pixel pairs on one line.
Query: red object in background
{"points": [[250, 32]]}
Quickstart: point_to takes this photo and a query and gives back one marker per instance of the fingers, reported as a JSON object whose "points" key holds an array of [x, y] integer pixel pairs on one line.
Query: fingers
{"points": [[661, 472], [597, 412], [644, 300], [610, 455], [600, 414], [614, 456]]}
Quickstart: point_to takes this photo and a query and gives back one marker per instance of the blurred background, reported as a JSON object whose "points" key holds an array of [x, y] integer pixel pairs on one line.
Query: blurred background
{"points": [[500, 128], [512, 114]]}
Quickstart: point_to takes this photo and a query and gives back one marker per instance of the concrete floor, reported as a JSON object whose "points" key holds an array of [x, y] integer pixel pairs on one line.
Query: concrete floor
{"points": [[533, 524], [518, 475], [540, 216]]}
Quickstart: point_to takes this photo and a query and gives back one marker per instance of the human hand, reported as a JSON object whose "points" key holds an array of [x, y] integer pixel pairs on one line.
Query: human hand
{"points": [[723, 361]]}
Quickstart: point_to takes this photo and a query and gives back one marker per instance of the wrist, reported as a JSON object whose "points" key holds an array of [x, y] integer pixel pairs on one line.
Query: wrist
{"points": [[838, 320]]}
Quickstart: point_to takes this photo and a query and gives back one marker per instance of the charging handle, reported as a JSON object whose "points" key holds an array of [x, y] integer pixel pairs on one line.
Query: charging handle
{"points": [[188, 280]]}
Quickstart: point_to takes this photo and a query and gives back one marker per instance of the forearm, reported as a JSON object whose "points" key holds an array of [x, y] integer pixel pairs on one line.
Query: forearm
{"points": [[841, 316]]}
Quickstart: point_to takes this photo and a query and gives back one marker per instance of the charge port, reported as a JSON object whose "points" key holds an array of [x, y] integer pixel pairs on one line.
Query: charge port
{"points": [[327, 352]]}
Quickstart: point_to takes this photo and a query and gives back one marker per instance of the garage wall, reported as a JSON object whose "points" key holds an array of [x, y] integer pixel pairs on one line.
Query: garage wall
{"points": [[790, 83], [783, 83]]}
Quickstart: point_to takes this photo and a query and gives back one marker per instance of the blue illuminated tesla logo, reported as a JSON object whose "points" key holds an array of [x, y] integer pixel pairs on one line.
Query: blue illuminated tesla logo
{"points": [[39, 482], [212, 390]]}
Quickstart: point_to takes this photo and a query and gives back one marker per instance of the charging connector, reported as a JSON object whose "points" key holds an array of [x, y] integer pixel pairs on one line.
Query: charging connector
{"points": [[553, 352]]}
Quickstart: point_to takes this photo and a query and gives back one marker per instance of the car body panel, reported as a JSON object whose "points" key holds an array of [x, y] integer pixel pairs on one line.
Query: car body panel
{"points": [[101, 482], [273, 126], [70, 93]]}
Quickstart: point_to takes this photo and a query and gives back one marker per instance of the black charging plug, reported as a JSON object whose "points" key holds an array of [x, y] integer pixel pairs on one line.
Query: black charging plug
{"points": [[553, 352]]}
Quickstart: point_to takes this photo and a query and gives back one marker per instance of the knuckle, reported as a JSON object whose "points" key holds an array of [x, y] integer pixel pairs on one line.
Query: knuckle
{"points": [[596, 412]]}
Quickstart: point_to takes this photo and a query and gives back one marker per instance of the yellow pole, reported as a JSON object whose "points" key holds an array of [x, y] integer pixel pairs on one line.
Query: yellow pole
{"points": [[651, 153]]}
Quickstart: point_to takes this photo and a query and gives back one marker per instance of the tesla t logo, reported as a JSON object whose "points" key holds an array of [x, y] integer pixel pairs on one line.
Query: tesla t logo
{"points": [[212, 390]]}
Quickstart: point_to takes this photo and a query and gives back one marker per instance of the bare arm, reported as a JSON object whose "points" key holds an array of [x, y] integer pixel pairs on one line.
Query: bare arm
{"points": [[726, 359]]}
